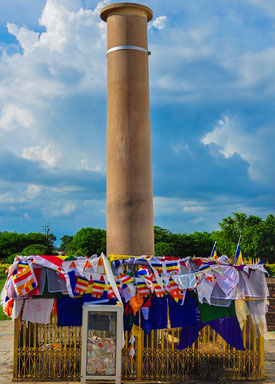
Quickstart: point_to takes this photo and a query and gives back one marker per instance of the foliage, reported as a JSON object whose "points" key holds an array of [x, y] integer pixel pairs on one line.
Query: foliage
{"points": [[258, 236], [87, 242], [270, 269], [182, 245], [164, 249], [13, 243], [65, 242], [36, 249], [3, 268]]}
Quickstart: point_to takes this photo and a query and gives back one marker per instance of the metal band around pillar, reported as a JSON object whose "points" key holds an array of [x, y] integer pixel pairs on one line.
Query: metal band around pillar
{"points": [[125, 47]]}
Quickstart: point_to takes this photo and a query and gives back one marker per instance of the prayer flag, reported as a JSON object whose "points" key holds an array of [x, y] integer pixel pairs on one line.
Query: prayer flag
{"points": [[160, 292], [157, 268], [214, 253], [238, 259], [52, 262], [125, 278], [171, 267], [144, 271], [25, 281], [142, 288], [81, 285], [111, 293], [98, 288]]}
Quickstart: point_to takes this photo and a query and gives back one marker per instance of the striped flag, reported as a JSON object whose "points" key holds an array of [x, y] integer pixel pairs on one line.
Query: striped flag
{"points": [[25, 281], [124, 278], [175, 291], [98, 288], [142, 287], [157, 267], [81, 285], [111, 293], [238, 259], [143, 271], [52, 262], [214, 253], [160, 291], [172, 267]]}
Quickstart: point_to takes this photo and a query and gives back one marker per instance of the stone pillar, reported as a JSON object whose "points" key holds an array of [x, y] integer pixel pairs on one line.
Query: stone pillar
{"points": [[130, 228]]}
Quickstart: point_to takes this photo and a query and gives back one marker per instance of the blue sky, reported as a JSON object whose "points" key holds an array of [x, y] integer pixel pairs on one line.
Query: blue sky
{"points": [[212, 86]]}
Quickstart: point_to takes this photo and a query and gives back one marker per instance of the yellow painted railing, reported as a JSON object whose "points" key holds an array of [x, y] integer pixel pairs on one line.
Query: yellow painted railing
{"points": [[52, 353]]}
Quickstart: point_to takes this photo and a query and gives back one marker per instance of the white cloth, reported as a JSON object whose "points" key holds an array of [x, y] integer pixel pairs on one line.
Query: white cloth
{"points": [[228, 279], [205, 289], [16, 309], [186, 281], [37, 310]]}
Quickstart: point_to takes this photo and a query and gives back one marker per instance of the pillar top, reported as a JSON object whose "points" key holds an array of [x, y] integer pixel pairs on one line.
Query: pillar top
{"points": [[126, 8]]}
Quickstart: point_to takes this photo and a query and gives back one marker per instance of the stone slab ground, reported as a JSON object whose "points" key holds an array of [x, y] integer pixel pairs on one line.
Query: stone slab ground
{"points": [[6, 358]]}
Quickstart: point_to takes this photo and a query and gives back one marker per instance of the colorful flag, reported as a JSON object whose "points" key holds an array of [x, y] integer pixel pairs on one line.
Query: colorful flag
{"points": [[144, 271], [8, 307], [142, 287], [214, 253], [98, 288], [238, 259], [25, 281], [157, 268], [81, 285], [172, 267], [160, 292], [111, 293], [52, 262], [71, 283], [124, 278]]}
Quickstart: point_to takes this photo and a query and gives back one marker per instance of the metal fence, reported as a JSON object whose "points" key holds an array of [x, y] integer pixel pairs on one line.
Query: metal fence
{"points": [[52, 353]]}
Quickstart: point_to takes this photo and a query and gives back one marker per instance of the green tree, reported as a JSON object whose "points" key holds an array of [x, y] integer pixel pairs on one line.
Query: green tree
{"points": [[88, 241], [65, 242], [258, 236], [202, 244], [12, 243], [161, 235], [164, 249], [35, 249]]}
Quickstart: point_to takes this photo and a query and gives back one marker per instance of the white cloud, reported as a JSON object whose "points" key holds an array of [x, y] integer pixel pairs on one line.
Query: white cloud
{"points": [[85, 164], [257, 69], [254, 147], [194, 208], [158, 23], [33, 190], [14, 117], [26, 216], [60, 208], [65, 61], [48, 155], [28, 39]]}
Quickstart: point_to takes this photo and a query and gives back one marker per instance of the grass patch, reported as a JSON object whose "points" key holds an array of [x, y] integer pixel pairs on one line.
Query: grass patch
{"points": [[2, 282]]}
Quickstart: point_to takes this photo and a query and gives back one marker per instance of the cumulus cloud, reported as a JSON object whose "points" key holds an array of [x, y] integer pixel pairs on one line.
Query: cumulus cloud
{"points": [[14, 117], [48, 154], [158, 23], [254, 147]]}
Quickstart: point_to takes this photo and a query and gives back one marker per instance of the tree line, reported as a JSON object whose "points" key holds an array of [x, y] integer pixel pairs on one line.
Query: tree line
{"points": [[258, 241]]}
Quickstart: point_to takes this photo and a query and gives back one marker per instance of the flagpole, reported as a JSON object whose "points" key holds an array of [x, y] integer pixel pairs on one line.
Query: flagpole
{"points": [[238, 244], [237, 247], [213, 248]]}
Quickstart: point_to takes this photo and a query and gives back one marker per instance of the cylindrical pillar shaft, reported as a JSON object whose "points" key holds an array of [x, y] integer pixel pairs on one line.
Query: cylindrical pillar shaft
{"points": [[130, 229]]}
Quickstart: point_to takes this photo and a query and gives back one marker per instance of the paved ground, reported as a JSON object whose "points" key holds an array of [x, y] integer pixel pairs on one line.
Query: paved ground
{"points": [[6, 357]]}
